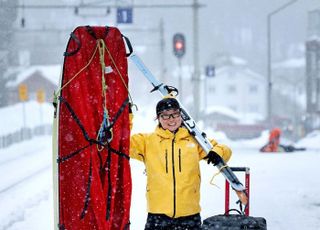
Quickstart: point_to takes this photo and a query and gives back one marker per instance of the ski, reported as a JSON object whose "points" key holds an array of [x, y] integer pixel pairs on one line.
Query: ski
{"points": [[191, 125]]}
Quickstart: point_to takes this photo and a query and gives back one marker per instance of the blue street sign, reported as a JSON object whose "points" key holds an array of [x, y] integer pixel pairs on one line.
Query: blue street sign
{"points": [[124, 15], [210, 71]]}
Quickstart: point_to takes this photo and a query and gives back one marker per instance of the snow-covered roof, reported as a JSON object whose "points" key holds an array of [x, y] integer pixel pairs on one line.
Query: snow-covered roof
{"points": [[50, 72], [251, 118], [222, 110], [291, 63], [314, 38], [237, 61], [237, 73]]}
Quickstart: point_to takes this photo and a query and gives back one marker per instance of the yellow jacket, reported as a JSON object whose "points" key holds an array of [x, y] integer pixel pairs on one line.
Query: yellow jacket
{"points": [[172, 166]]}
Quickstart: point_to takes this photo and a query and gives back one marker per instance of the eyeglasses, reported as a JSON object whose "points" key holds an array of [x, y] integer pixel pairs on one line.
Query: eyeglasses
{"points": [[167, 116]]}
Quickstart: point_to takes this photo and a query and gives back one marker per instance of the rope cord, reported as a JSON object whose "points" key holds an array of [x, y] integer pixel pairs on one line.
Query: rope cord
{"points": [[216, 174], [105, 122], [118, 71], [56, 94]]}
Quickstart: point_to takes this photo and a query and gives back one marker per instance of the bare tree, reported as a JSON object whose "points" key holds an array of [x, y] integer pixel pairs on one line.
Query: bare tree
{"points": [[8, 15]]}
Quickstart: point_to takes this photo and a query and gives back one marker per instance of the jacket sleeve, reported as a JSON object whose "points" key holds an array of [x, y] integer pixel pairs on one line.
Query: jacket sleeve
{"points": [[137, 146], [222, 150]]}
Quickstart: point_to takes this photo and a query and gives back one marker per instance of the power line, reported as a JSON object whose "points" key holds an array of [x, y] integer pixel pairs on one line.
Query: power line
{"points": [[99, 6]]}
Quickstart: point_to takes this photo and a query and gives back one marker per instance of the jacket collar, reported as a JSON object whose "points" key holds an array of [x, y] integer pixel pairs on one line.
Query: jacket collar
{"points": [[181, 133]]}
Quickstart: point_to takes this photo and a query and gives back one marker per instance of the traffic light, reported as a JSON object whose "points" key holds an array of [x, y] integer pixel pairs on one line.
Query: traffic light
{"points": [[179, 46]]}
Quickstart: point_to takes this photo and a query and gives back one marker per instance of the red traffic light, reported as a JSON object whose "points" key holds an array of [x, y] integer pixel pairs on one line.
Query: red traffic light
{"points": [[179, 45]]}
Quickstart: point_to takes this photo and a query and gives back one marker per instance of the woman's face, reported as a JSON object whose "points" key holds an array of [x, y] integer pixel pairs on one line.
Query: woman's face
{"points": [[170, 119]]}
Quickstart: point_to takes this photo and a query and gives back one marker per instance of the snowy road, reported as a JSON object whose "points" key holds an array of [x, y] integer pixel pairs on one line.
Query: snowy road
{"points": [[284, 188], [25, 183]]}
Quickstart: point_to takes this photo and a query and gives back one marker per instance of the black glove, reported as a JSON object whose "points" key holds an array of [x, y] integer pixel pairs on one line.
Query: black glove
{"points": [[213, 158]]}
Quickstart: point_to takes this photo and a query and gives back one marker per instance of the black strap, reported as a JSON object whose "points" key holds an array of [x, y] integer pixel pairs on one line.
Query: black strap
{"points": [[120, 110], [127, 226], [77, 120], [93, 34], [128, 43], [62, 159], [61, 227], [87, 198], [77, 41], [86, 135], [171, 89], [109, 195]]}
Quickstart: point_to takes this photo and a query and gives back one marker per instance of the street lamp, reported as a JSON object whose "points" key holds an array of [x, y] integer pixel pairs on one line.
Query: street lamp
{"points": [[269, 91]]}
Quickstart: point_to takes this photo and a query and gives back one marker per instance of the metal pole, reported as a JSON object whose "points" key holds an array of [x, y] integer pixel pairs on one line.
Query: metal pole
{"points": [[269, 68], [269, 89], [180, 79], [162, 55], [196, 73], [24, 115], [205, 88]]}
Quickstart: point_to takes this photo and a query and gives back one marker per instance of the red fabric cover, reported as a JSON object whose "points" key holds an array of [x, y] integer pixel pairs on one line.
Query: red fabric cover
{"points": [[84, 94]]}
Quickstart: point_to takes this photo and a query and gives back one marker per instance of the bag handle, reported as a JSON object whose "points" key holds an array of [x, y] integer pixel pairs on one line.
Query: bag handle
{"points": [[233, 209], [78, 43], [128, 43]]}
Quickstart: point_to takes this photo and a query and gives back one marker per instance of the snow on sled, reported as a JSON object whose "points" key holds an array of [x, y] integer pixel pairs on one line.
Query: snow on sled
{"points": [[91, 141]]}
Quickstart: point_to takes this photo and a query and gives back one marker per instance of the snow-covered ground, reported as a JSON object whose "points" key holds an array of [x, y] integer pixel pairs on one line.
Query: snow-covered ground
{"points": [[284, 186]]}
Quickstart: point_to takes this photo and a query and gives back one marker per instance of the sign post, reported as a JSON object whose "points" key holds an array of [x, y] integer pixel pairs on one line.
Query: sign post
{"points": [[41, 96], [23, 97]]}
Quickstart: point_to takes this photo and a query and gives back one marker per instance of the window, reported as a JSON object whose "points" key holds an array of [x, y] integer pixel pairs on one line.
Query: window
{"points": [[253, 108], [253, 89], [231, 89], [233, 107], [211, 89]]}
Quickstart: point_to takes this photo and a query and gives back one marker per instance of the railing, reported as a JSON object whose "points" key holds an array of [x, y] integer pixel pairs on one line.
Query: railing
{"points": [[24, 134]]}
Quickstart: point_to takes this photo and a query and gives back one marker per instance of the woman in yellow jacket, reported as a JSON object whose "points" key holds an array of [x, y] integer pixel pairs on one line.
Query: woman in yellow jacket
{"points": [[171, 157]]}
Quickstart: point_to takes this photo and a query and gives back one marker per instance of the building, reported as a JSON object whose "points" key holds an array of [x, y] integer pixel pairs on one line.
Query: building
{"points": [[313, 71], [237, 87], [36, 80]]}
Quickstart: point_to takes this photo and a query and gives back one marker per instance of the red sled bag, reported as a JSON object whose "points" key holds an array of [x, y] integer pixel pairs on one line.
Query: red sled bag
{"points": [[93, 180], [238, 221]]}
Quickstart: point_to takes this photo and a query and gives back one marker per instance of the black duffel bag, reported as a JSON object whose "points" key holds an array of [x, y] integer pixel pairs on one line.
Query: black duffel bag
{"points": [[234, 222]]}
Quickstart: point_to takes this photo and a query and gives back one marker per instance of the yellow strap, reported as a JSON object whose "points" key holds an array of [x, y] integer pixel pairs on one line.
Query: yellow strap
{"points": [[122, 78], [77, 74], [216, 174]]}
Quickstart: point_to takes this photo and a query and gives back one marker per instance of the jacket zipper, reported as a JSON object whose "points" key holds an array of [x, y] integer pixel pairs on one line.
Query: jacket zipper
{"points": [[179, 160], [174, 180], [166, 156]]}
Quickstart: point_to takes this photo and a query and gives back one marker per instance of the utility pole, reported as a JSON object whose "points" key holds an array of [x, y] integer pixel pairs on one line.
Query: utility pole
{"points": [[196, 72], [269, 67], [162, 54]]}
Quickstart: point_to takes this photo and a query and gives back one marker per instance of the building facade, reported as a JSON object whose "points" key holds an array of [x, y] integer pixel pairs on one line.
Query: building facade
{"points": [[237, 87]]}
